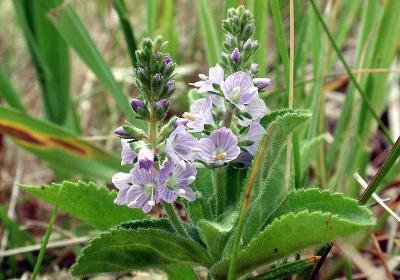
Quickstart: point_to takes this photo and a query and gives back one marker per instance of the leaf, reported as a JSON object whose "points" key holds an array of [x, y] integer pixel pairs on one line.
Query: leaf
{"points": [[279, 125], [180, 272], [306, 218], [209, 31], [57, 146], [132, 249], [70, 27], [215, 235], [287, 269], [8, 91], [309, 148], [92, 204], [267, 200]]}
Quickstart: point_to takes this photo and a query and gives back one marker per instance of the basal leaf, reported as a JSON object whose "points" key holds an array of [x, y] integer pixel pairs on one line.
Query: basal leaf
{"points": [[127, 250], [305, 218], [88, 202], [57, 146], [215, 235]]}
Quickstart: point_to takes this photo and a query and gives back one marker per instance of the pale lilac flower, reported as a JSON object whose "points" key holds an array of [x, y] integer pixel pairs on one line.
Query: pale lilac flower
{"points": [[238, 88], [219, 147], [138, 189], [256, 130], [146, 158], [256, 109], [215, 76], [174, 181], [180, 121], [179, 145], [200, 114], [235, 55], [122, 181], [128, 156], [262, 83]]}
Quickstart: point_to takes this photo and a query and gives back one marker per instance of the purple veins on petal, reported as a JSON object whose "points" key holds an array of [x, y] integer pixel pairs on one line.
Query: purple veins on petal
{"points": [[256, 131], [219, 147], [174, 181], [128, 156], [200, 114], [143, 190], [122, 182], [146, 158], [215, 76], [179, 145], [239, 89]]}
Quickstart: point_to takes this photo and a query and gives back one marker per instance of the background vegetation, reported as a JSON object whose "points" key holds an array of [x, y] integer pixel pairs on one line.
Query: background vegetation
{"points": [[66, 75]]}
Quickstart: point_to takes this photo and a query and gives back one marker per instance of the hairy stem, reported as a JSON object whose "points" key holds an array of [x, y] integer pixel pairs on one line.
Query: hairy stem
{"points": [[175, 220], [228, 119], [220, 193]]}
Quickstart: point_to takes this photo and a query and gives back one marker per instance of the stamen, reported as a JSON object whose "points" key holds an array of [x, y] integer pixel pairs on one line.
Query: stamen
{"points": [[203, 77], [196, 150], [133, 203], [189, 116], [220, 156], [182, 163], [181, 191], [151, 203], [191, 179]]}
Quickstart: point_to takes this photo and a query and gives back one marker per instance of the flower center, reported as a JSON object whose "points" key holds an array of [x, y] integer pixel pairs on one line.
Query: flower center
{"points": [[189, 116], [148, 188], [236, 94], [170, 183], [220, 154]]}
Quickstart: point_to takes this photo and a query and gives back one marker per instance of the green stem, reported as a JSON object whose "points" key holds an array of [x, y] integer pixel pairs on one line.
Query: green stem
{"points": [[228, 119], [220, 193], [45, 240], [175, 220]]}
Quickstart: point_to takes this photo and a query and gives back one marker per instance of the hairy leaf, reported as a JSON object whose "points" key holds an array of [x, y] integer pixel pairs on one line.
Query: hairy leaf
{"points": [[130, 249], [59, 147], [88, 202]]}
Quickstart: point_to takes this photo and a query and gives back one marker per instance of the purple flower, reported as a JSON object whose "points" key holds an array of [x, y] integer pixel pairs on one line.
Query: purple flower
{"points": [[219, 147], [256, 109], [120, 132], [244, 159], [179, 145], [200, 114], [146, 158], [174, 181], [137, 104], [127, 154], [256, 130], [180, 121], [138, 189], [122, 182], [238, 88], [262, 83], [235, 56], [215, 76]]}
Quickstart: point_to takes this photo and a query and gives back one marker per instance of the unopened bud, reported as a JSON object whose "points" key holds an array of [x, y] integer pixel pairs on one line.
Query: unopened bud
{"points": [[262, 83], [171, 86], [235, 56], [120, 132], [161, 108]]}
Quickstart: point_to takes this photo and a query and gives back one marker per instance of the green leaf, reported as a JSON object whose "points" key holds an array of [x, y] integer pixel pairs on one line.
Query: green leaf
{"points": [[307, 153], [267, 200], [132, 249], [57, 146], [92, 204], [279, 125], [306, 218], [209, 30], [287, 269], [215, 235], [70, 27], [8, 91], [180, 272]]}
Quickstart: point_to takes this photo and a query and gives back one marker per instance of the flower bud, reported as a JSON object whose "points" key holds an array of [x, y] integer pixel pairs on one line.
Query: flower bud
{"points": [[161, 108], [168, 128], [235, 56], [120, 132], [134, 132], [137, 104], [171, 86], [146, 158], [254, 68], [262, 83]]}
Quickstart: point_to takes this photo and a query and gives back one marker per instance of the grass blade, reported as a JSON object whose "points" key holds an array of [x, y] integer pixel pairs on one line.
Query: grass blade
{"points": [[351, 75], [57, 146], [9, 92], [152, 10], [45, 240], [259, 10], [69, 25], [380, 175], [119, 6], [209, 31]]}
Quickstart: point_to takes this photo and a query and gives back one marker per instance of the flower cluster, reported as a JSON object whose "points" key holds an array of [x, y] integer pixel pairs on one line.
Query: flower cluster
{"points": [[223, 127], [161, 158]]}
